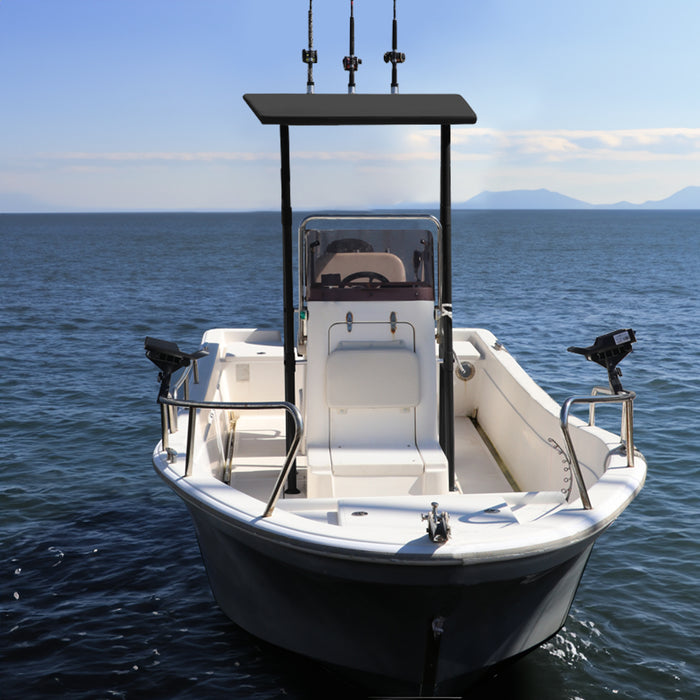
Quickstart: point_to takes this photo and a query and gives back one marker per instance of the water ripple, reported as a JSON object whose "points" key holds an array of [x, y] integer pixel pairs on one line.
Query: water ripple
{"points": [[104, 590]]}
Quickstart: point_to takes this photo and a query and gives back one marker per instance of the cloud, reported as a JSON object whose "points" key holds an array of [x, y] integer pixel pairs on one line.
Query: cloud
{"points": [[595, 165], [571, 145], [471, 142], [223, 157], [154, 157]]}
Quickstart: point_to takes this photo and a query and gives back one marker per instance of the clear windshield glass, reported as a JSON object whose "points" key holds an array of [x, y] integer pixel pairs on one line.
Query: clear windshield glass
{"points": [[361, 264]]}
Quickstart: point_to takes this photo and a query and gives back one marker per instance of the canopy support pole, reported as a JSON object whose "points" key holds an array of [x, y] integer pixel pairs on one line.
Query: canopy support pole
{"points": [[288, 284], [447, 441]]}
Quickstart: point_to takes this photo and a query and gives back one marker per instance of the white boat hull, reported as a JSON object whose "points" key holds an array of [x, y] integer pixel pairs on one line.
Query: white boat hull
{"points": [[376, 618], [374, 595]]}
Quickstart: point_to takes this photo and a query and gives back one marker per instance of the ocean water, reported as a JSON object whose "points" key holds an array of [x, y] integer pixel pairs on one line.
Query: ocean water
{"points": [[102, 590]]}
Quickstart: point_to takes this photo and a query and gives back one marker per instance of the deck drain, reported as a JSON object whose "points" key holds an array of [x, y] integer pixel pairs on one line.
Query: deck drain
{"points": [[492, 510], [359, 513]]}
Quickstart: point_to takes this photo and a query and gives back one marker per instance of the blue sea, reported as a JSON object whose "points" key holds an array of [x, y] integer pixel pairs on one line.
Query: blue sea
{"points": [[102, 590]]}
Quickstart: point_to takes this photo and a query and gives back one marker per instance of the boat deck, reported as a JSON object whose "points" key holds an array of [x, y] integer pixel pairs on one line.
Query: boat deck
{"points": [[260, 449]]}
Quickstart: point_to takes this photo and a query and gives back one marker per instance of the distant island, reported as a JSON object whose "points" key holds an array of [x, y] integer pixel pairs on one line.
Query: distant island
{"points": [[687, 198]]}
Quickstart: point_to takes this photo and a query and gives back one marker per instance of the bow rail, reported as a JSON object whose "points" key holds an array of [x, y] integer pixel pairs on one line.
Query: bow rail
{"points": [[194, 406], [626, 432]]}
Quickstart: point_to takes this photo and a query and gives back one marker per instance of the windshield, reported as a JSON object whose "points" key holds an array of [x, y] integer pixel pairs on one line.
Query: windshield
{"points": [[358, 264]]}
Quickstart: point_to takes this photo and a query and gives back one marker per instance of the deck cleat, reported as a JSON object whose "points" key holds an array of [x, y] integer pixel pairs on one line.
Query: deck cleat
{"points": [[438, 524]]}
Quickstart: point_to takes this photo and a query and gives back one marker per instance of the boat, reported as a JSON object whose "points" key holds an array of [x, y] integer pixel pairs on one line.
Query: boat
{"points": [[371, 487]]}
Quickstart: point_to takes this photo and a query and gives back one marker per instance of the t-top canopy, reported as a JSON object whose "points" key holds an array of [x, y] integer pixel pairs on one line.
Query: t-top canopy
{"points": [[337, 109]]}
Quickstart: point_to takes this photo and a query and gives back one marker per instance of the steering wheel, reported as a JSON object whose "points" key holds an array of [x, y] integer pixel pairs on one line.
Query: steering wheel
{"points": [[371, 276]]}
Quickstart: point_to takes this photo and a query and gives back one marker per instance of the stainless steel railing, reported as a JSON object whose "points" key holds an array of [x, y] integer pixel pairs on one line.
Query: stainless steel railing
{"points": [[626, 432], [193, 407]]}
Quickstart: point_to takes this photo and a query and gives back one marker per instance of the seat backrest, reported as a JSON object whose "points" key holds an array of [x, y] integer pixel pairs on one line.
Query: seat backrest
{"points": [[383, 374]]}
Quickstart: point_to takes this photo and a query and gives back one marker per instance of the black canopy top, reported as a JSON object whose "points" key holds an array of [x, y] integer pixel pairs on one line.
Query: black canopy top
{"points": [[327, 109]]}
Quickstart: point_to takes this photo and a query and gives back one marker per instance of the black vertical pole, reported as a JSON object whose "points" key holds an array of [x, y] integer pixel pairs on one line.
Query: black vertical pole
{"points": [[394, 44], [288, 285], [446, 368], [351, 82]]}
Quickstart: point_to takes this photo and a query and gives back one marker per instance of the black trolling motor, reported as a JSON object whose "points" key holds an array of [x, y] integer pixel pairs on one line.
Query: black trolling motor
{"points": [[168, 357], [608, 351]]}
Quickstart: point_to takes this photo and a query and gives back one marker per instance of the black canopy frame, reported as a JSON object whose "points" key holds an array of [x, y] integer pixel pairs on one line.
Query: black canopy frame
{"points": [[444, 110]]}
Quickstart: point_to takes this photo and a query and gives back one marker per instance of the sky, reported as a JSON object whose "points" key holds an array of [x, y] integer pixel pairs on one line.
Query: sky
{"points": [[132, 105]]}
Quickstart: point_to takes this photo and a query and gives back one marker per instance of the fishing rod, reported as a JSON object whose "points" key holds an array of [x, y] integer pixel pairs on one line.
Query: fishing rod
{"points": [[351, 63], [310, 55], [394, 56]]}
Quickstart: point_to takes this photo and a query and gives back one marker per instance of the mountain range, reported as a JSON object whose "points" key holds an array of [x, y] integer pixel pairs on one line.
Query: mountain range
{"points": [[687, 198]]}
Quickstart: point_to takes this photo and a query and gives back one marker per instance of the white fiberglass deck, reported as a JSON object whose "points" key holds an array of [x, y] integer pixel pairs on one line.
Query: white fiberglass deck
{"points": [[508, 457], [260, 448]]}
